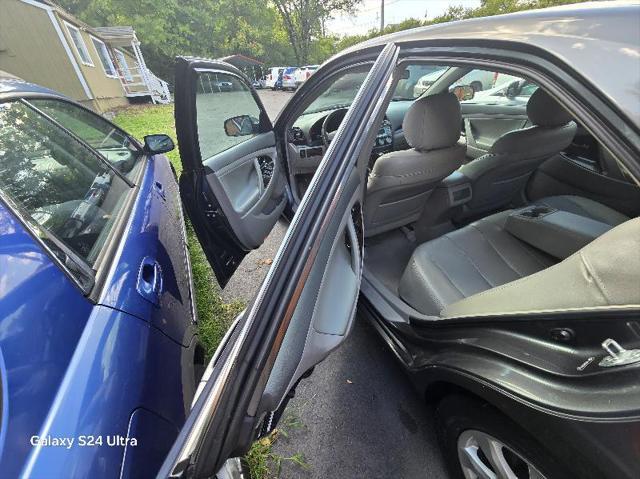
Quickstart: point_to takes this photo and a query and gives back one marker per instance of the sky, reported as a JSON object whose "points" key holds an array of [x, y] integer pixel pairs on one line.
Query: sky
{"points": [[367, 15]]}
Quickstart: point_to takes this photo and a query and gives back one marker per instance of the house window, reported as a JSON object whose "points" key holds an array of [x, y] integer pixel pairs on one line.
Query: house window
{"points": [[105, 58], [124, 67], [78, 42]]}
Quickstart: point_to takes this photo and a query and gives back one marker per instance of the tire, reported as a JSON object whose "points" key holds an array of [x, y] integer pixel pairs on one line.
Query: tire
{"points": [[476, 85], [462, 418]]}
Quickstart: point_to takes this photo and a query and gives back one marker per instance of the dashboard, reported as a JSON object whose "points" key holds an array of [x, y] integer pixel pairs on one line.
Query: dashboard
{"points": [[306, 145]]}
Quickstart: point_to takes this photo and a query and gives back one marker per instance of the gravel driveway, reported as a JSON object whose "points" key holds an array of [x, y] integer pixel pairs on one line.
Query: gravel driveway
{"points": [[357, 416]]}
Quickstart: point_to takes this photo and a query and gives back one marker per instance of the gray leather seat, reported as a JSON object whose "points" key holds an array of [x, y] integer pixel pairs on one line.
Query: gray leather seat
{"points": [[499, 177], [444, 274], [605, 273], [401, 181], [478, 257]]}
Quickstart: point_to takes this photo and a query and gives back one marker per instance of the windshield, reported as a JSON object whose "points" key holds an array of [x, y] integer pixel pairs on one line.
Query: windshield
{"points": [[342, 91]]}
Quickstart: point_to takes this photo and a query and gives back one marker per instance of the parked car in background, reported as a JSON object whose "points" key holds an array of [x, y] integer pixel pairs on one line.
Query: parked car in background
{"points": [[289, 78], [477, 79], [302, 74], [98, 344], [509, 89], [271, 78]]}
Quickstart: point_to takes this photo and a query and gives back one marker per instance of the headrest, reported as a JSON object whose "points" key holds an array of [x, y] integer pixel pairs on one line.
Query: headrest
{"points": [[543, 110], [433, 122]]}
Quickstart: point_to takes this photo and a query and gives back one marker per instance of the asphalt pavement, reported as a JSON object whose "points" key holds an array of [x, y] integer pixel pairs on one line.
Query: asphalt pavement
{"points": [[357, 415]]}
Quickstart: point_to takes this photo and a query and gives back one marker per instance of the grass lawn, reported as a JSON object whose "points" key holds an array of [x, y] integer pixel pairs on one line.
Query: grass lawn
{"points": [[214, 315]]}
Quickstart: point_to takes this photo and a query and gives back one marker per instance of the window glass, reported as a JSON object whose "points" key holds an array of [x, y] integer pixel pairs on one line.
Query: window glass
{"points": [[497, 87], [81, 47], [416, 79], [222, 99], [112, 143], [105, 58], [124, 67], [341, 92], [57, 181]]}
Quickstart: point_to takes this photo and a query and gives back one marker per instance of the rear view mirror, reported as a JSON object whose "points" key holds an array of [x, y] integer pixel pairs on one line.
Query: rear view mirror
{"points": [[155, 144], [406, 74], [241, 125], [464, 92]]}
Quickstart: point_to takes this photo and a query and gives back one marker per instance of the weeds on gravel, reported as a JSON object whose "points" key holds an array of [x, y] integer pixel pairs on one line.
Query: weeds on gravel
{"points": [[263, 463]]}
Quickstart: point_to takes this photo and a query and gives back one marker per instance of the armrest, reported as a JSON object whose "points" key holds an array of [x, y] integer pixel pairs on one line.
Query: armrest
{"points": [[558, 233], [458, 187]]}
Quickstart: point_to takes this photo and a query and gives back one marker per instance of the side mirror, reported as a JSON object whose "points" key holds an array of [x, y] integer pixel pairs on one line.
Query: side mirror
{"points": [[464, 92], [241, 125], [154, 144], [513, 90]]}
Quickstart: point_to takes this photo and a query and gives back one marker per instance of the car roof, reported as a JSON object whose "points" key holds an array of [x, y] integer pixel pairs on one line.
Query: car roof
{"points": [[600, 40], [11, 85]]}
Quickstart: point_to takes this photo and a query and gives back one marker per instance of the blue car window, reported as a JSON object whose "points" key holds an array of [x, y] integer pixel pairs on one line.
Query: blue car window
{"points": [[112, 143], [57, 182]]}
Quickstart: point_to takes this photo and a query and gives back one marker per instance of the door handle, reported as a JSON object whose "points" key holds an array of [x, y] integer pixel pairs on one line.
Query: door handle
{"points": [[159, 189], [149, 284]]}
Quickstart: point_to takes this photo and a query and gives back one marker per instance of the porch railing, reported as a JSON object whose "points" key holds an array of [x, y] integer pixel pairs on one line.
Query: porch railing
{"points": [[142, 82]]}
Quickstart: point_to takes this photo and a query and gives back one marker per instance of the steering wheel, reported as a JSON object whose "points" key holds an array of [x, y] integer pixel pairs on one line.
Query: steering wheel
{"points": [[327, 136]]}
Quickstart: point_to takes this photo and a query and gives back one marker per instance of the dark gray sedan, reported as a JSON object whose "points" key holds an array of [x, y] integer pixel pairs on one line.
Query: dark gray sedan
{"points": [[493, 242]]}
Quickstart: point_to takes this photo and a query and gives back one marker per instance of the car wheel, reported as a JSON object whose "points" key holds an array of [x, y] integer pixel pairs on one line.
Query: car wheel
{"points": [[480, 442], [477, 86]]}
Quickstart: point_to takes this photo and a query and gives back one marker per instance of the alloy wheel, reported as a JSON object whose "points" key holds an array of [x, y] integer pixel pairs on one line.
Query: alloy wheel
{"points": [[482, 456]]}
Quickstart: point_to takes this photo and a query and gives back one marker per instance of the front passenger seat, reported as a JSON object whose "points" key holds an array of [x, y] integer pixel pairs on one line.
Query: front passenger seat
{"points": [[499, 177], [401, 181]]}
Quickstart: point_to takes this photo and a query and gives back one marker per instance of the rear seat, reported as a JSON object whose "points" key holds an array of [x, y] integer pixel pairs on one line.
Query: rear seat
{"points": [[482, 256]]}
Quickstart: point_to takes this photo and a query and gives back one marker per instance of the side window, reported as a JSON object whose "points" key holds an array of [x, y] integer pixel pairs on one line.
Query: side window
{"points": [[105, 58], [78, 42], [227, 113], [495, 87], [416, 79], [58, 182], [112, 143]]}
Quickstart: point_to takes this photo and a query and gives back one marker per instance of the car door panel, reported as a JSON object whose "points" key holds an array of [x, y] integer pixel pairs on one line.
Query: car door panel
{"points": [[304, 308], [325, 313], [249, 185], [232, 184], [484, 123], [563, 175]]}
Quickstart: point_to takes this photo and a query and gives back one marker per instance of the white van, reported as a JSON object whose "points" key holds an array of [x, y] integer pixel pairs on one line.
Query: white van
{"points": [[272, 76], [303, 73]]}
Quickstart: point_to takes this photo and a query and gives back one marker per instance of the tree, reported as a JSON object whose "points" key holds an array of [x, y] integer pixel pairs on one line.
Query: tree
{"points": [[304, 20]]}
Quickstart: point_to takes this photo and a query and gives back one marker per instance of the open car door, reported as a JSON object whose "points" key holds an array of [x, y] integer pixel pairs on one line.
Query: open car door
{"points": [[305, 307], [232, 184]]}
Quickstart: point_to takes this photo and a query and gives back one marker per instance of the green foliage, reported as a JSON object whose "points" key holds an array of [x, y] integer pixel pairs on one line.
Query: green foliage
{"points": [[279, 32], [303, 21]]}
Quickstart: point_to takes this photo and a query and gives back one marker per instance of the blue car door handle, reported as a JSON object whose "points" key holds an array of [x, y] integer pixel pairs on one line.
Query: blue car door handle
{"points": [[160, 190], [150, 280]]}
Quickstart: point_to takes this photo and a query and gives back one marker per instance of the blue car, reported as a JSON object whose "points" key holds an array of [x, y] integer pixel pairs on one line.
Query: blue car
{"points": [[99, 357]]}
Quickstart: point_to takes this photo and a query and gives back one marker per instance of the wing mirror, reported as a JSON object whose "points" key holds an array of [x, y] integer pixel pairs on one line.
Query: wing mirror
{"points": [[464, 92], [241, 125], [513, 90], [155, 144]]}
